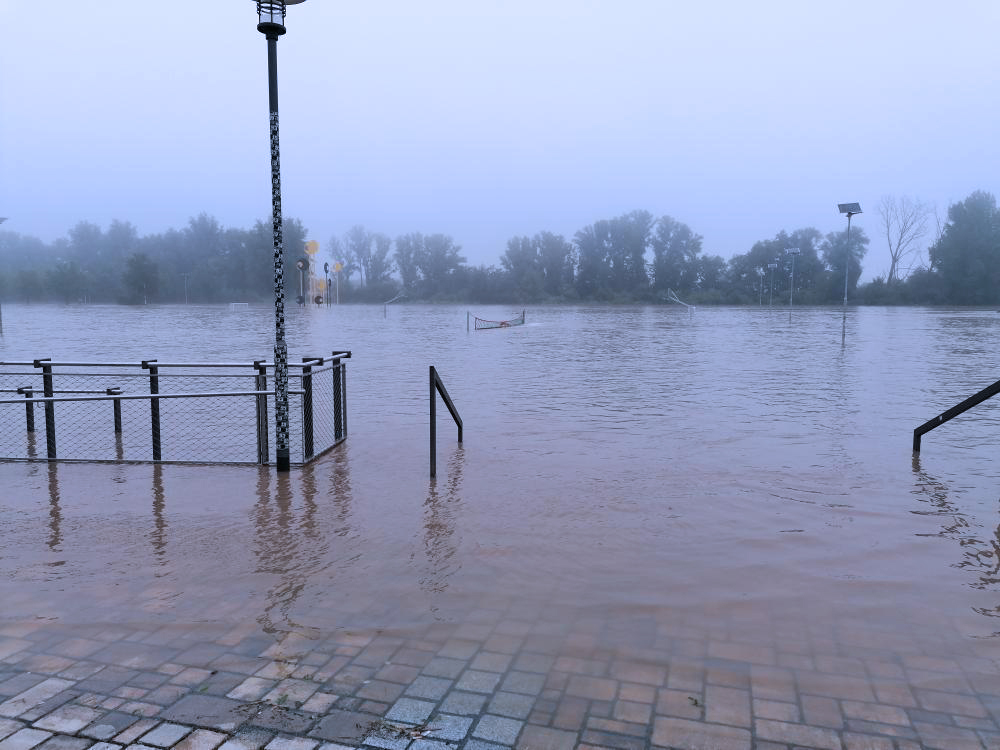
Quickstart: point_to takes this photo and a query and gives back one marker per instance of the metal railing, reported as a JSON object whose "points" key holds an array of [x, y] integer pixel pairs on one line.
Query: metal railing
{"points": [[437, 386], [166, 412], [953, 412]]}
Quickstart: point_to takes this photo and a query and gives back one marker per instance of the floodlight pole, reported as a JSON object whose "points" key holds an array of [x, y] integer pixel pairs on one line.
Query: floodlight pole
{"points": [[770, 299], [850, 209], [793, 251], [271, 16]]}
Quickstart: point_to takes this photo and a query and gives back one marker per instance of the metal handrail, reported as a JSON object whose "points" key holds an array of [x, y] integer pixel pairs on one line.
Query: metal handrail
{"points": [[438, 386], [953, 412]]}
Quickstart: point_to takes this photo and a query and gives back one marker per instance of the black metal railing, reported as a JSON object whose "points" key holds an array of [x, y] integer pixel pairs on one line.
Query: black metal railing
{"points": [[207, 412], [437, 386], [953, 412]]}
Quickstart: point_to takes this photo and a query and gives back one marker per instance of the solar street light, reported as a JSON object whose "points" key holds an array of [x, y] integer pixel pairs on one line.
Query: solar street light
{"points": [[850, 209]]}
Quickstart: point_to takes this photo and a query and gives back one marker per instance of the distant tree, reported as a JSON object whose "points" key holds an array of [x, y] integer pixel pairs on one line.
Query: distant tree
{"points": [[675, 255], [380, 263], [967, 254], [358, 249], [409, 248], [524, 267], [904, 222], [835, 251], [141, 280], [630, 235], [593, 275], [555, 258], [439, 263], [29, 284]]}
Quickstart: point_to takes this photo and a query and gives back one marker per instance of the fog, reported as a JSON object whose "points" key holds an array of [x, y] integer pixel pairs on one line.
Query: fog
{"points": [[498, 119]]}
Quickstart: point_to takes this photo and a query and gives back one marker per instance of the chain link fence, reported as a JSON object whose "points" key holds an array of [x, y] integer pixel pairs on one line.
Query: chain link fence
{"points": [[168, 412]]}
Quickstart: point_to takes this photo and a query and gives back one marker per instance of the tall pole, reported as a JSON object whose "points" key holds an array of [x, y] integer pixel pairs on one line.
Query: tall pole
{"points": [[847, 256], [283, 457]]}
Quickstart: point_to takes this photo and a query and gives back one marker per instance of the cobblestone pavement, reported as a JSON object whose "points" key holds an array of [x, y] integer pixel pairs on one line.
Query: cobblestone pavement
{"points": [[536, 681]]}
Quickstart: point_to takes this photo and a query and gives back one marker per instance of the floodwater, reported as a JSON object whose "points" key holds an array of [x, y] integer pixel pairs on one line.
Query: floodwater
{"points": [[633, 468]]}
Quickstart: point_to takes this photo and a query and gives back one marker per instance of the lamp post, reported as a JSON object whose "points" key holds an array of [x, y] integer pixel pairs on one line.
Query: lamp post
{"points": [[772, 266], [760, 286], [850, 209], [271, 23], [793, 251]]}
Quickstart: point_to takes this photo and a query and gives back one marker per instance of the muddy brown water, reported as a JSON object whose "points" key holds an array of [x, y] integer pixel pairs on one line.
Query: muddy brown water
{"points": [[626, 470]]}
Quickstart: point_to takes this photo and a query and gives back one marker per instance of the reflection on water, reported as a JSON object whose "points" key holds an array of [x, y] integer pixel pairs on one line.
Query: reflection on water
{"points": [[979, 543], [441, 511], [55, 515]]}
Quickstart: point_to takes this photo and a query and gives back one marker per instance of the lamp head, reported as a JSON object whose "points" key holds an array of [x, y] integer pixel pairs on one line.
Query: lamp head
{"points": [[849, 208], [793, 251], [271, 16]]}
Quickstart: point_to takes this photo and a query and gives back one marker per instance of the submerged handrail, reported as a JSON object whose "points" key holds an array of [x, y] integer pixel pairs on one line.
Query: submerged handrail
{"points": [[953, 412], [438, 385]]}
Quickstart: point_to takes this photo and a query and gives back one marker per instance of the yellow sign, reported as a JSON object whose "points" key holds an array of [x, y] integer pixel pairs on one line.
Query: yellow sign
{"points": [[338, 266], [312, 247]]}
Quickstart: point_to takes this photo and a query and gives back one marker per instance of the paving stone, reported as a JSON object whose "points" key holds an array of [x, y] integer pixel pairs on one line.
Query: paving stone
{"points": [[108, 725], [424, 744], [19, 683], [65, 742], [132, 733], [684, 734], [478, 682], [248, 738], [433, 688], [9, 726], [513, 705], [24, 739], [165, 735], [866, 742], [67, 719], [206, 711], [941, 737], [251, 689], [481, 745], [797, 734], [319, 703], [291, 743], [725, 705], [523, 682], [201, 739], [347, 727], [410, 710], [458, 702], [22, 702], [441, 666], [950, 703], [106, 746], [449, 728], [498, 729]]}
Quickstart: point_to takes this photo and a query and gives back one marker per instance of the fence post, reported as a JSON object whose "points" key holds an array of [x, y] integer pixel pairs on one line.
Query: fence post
{"points": [[117, 402], [260, 384], [339, 395], [433, 422], [307, 409], [154, 404], [50, 408], [29, 407]]}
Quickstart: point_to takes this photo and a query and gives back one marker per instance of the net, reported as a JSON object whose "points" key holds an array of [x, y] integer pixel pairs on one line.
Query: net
{"points": [[482, 324]]}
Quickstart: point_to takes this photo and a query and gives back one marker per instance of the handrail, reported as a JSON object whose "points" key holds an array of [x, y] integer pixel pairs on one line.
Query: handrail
{"points": [[953, 412], [438, 385]]}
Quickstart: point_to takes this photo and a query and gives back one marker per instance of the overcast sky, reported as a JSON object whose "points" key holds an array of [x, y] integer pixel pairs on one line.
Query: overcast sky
{"points": [[486, 120]]}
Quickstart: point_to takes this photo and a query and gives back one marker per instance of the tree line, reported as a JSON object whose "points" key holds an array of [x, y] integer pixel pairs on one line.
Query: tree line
{"points": [[633, 258]]}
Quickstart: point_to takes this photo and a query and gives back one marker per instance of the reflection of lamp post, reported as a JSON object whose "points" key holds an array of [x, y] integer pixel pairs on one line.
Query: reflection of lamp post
{"points": [[850, 209], [760, 286], [793, 251], [271, 23], [302, 264], [772, 266], [326, 287]]}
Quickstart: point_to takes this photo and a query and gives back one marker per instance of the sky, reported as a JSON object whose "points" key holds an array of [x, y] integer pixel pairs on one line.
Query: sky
{"points": [[493, 119]]}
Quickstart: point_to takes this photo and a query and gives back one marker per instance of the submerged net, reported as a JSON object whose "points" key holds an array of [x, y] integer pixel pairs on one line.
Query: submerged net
{"points": [[483, 324]]}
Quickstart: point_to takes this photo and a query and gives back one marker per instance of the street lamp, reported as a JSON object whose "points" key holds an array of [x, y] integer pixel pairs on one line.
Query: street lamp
{"points": [[271, 17], [793, 251], [850, 209], [772, 266]]}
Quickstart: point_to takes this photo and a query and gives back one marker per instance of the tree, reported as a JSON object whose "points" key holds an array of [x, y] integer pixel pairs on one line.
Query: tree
{"points": [[409, 248], [555, 259], [524, 267], [835, 250], [904, 222], [675, 254], [593, 243], [141, 280], [358, 249], [439, 263], [380, 264], [967, 254]]}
